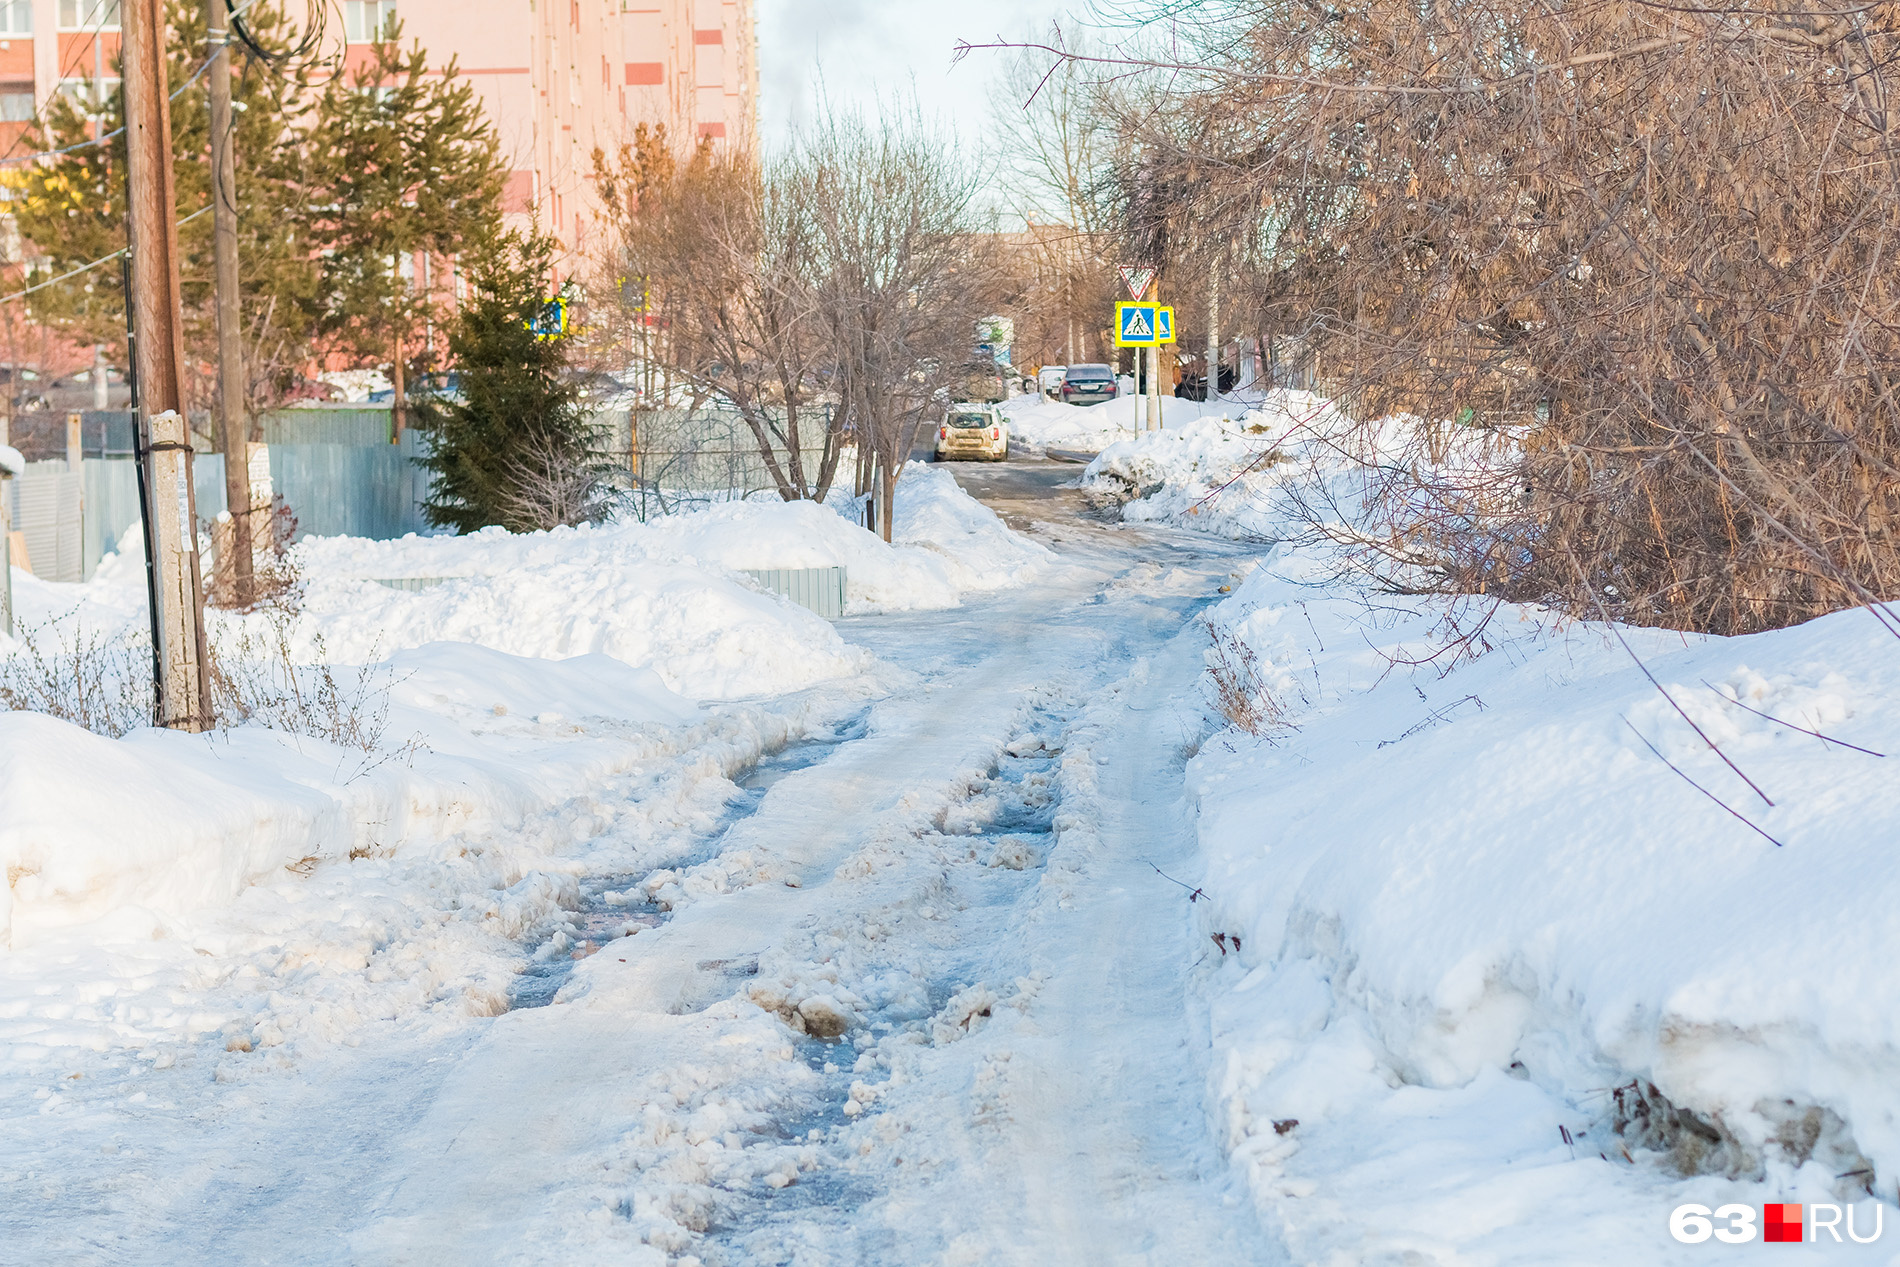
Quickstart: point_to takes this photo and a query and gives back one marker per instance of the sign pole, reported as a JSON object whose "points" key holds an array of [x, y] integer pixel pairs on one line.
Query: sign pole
{"points": [[1154, 373], [184, 699]]}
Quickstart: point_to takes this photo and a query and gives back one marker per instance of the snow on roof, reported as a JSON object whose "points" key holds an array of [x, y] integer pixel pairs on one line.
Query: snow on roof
{"points": [[11, 460]]}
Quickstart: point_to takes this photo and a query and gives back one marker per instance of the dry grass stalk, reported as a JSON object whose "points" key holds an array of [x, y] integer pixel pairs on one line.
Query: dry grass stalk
{"points": [[1241, 693]]}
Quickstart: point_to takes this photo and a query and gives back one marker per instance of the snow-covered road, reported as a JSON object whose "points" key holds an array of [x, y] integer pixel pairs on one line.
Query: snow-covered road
{"points": [[926, 1001]]}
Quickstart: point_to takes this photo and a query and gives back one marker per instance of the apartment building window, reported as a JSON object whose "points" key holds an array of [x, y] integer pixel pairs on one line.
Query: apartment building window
{"points": [[88, 15], [16, 19], [367, 21], [16, 103]]}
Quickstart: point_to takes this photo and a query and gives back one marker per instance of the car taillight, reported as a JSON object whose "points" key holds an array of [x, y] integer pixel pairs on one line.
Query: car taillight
{"points": [[943, 433], [1067, 388], [996, 433]]}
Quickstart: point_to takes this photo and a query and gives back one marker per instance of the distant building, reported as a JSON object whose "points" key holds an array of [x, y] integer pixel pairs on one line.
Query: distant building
{"points": [[559, 77]]}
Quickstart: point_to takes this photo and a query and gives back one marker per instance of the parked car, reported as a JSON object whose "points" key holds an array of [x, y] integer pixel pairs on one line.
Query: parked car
{"points": [[973, 431], [1194, 386], [1088, 385], [1049, 380]]}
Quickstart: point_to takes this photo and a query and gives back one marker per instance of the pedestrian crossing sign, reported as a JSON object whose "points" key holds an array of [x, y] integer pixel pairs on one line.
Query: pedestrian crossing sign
{"points": [[1143, 325]]}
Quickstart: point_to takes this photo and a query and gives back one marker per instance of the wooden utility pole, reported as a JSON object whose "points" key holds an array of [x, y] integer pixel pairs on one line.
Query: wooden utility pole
{"points": [[234, 424], [171, 523]]}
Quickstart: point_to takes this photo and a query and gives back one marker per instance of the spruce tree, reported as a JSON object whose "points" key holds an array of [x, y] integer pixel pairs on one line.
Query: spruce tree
{"points": [[511, 444]]}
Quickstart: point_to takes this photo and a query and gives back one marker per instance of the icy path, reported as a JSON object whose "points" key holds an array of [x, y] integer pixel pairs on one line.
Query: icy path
{"points": [[1043, 1103], [927, 1005]]}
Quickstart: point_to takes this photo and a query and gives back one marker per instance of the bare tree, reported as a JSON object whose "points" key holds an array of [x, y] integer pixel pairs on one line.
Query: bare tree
{"points": [[829, 291], [722, 255], [900, 278], [1637, 256]]}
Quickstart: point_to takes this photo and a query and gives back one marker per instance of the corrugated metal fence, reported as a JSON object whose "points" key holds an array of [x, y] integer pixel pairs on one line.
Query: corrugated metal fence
{"points": [[336, 470], [46, 513], [819, 589]]}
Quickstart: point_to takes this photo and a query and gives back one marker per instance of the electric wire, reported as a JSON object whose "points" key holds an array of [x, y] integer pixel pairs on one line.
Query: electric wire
{"points": [[16, 159], [85, 268]]}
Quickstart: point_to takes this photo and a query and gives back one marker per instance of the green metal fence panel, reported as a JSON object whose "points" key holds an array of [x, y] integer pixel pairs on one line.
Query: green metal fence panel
{"points": [[817, 589], [364, 425], [46, 512], [334, 490]]}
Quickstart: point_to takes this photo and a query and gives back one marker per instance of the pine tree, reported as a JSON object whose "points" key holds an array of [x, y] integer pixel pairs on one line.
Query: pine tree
{"points": [[402, 160], [512, 444]]}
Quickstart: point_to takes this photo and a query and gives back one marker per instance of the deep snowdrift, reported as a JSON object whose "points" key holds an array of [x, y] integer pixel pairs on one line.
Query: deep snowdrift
{"points": [[945, 544], [1217, 472], [544, 662], [1474, 909], [1038, 423]]}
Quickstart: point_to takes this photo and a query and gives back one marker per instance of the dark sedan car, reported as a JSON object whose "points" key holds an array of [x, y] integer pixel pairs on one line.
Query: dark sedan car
{"points": [[1088, 385]]}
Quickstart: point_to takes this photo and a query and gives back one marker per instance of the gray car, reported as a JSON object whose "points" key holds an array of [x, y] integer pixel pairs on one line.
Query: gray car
{"points": [[1088, 385]]}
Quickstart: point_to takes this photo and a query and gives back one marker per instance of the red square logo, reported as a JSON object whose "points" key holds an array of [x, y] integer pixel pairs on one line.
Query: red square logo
{"points": [[1781, 1222]]}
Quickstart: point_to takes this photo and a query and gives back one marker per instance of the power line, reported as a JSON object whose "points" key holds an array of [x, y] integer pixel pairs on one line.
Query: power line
{"points": [[13, 160], [83, 268]]}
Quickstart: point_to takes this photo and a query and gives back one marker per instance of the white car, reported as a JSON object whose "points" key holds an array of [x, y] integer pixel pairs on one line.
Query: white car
{"points": [[1049, 380], [973, 432]]}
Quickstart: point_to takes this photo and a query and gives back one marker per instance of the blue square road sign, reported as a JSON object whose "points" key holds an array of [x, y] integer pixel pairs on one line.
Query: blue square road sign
{"points": [[1143, 325]]}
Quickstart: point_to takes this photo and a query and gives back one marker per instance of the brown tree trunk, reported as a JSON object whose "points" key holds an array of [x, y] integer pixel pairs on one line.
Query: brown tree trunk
{"points": [[397, 413]]}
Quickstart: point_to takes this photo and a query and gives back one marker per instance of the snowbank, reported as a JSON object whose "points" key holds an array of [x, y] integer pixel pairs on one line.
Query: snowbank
{"points": [[1039, 423], [1216, 472], [1473, 909], [523, 640], [945, 544], [145, 830]]}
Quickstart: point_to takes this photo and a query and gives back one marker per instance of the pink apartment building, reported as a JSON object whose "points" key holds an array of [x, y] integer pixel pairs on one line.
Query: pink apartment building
{"points": [[559, 77]]}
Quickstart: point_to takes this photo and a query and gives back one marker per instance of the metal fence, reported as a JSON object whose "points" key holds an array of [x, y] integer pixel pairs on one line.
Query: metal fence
{"points": [[817, 589], [337, 471], [45, 512], [685, 455]]}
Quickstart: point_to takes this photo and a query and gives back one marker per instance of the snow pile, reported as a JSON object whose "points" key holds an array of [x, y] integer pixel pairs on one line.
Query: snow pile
{"points": [[1216, 473], [945, 544], [1038, 423], [148, 829], [357, 386], [532, 636], [1458, 913], [12, 462], [706, 635]]}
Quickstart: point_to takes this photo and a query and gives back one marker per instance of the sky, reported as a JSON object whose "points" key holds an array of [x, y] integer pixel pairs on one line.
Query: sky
{"points": [[859, 50]]}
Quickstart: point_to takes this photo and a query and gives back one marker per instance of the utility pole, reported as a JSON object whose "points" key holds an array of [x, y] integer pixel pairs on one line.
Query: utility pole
{"points": [[233, 418], [171, 521]]}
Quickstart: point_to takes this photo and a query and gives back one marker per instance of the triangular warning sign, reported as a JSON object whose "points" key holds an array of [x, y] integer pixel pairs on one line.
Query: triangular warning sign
{"points": [[1135, 325], [1137, 277]]}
